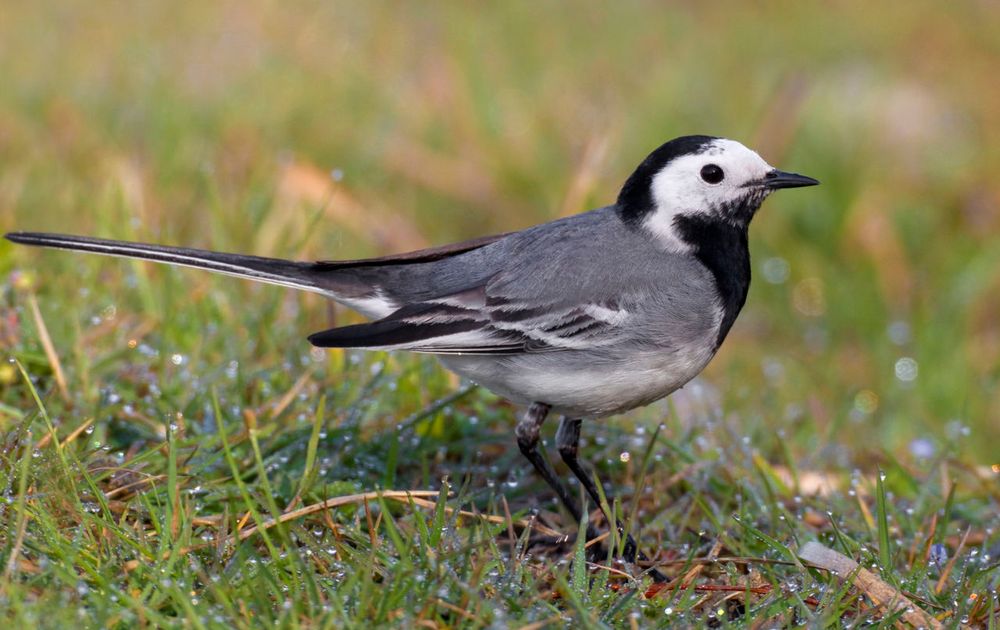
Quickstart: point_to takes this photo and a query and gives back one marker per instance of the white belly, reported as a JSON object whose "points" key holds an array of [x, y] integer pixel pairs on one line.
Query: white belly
{"points": [[582, 384]]}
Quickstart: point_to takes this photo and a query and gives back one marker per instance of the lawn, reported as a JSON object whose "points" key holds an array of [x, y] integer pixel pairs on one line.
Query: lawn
{"points": [[174, 453]]}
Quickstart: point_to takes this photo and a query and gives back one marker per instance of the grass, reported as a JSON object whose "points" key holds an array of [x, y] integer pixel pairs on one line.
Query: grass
{"points": [[168, 436]]}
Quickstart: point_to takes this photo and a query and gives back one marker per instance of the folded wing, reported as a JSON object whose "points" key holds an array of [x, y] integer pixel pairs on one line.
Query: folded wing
{"points": [[481, 321]]}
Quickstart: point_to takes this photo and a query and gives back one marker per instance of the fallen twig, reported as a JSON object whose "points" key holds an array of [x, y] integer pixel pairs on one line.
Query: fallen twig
{"points": [[883, 594]]}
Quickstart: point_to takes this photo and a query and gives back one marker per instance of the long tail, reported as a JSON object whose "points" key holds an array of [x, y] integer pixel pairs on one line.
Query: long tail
{"points": [[298, 275]]}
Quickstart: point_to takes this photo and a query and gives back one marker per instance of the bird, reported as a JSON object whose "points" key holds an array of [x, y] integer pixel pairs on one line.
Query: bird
{"points": [[585, 316]]}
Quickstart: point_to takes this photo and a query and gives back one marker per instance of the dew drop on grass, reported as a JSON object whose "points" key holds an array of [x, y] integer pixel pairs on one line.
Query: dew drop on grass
{"points": [[906, 369], [866, 402], [776, 270], [922, 448], [773, 370], [938, 554], [899, 332]]}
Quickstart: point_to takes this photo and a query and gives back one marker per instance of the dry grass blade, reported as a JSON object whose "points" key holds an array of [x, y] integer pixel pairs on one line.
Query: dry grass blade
{"points": [[42, 443], [77, 432], [455, 177], [686, 580], [696, 570], [538, 625], [291, 393], [15, 552], [455, 609], [128, 488], [404, 496], [611, 570], [595, 155], [743, 560], [951, 563], [50, 350], [490, 518], [597, 539], [877, 590]]}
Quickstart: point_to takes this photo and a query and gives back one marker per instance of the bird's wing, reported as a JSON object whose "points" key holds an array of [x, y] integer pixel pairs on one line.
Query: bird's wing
{"points": [[478, 321], [560, 286]]}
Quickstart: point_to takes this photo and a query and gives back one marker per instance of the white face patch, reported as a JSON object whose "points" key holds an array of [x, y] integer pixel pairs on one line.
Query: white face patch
{"points": [[680, 189]]}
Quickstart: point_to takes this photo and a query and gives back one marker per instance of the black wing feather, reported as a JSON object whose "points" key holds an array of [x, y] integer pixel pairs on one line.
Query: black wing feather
{"points": [[387, 333], [426, 327]]}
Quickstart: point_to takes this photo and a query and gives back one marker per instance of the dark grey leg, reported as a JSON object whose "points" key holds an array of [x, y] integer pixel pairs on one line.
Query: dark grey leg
{"points": [[568, 442], [527, 432]]}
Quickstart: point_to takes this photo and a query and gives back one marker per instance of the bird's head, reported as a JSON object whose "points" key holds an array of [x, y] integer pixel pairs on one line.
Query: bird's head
{"points": [[711, 179]]}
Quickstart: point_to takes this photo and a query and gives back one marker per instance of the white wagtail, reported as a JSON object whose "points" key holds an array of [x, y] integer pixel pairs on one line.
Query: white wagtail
{"points": [[586, 316]]}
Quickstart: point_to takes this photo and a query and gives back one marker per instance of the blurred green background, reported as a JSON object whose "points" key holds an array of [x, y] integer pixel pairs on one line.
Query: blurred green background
{"points": [[334, 130]]}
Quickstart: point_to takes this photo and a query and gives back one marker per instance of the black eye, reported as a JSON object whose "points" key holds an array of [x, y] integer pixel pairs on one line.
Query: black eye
{"points": [[712, 173]]}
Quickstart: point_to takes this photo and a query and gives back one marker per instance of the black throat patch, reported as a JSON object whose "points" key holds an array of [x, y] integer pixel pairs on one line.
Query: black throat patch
{"points": [[722, 247]]}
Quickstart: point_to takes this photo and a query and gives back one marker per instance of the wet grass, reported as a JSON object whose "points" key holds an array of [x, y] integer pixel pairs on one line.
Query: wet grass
{"points": [[168, 437]]}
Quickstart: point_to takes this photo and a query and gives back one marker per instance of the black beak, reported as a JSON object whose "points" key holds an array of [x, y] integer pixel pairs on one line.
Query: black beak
{"points": [[780, 179]]}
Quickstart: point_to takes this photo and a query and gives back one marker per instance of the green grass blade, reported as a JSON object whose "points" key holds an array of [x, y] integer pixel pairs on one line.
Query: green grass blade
{"points": [[884, 544], [309, 470], [579, 576]]}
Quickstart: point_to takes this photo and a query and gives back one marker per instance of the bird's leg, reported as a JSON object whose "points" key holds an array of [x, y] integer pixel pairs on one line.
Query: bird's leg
{"points": [[527, 433], [568, 442]]}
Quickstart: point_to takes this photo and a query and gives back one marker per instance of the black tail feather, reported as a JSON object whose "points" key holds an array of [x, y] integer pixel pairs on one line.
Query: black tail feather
{"points": [[299, 275]]}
